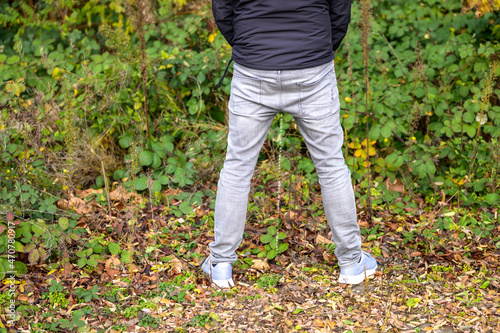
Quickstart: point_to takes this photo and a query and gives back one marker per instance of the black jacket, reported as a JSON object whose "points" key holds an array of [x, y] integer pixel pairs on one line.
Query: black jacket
{"points": [[282, 34]]}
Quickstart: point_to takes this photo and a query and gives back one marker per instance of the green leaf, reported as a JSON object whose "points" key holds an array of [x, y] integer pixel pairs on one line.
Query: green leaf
{"points": [[20, 267], [39, 228], [43, 253], [491, 198], [297, 311], [185, 207], [469, 117], [281, 235], [163, 179], [125, 141], [97, 248], [118, 174], [266, 238], [285, 164], [2, 272], [167, 144], [82, 262], [92, 262], [19, 246], [374, 133], [283, 247], [272, 244], [271, 230], [33, 256], [146, 158], [271, 254], [13, 60], [74, 236], [156, 161], [114, 248], [156, 186], [141, 183], [63, 223], [430, 168]]}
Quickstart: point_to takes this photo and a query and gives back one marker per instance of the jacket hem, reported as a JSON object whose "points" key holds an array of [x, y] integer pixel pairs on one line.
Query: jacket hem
{"points": [[280, 67]]}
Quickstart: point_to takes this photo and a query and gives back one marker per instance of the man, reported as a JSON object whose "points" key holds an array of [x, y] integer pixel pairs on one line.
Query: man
{"points": [[283, 53]]}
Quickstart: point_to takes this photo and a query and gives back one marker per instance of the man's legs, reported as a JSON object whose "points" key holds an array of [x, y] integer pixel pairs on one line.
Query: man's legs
{"points": [[311, 96], [249, 123], [324, 141], [314, 92]]}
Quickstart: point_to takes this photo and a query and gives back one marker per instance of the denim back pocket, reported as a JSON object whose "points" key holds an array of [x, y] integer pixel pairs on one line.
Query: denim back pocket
{"points": [[246, 95], [317, 97]]}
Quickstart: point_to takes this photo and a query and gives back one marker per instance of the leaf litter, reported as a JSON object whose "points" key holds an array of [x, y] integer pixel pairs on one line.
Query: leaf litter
{"points": [[441, 282]]}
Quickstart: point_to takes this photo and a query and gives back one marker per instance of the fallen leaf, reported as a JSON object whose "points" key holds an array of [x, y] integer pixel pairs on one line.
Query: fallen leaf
{"points": [[278, 307], [396, 186], [322, 240], [260, 265], [112, 266], [74, 203], [86, 193], [121, 194]]}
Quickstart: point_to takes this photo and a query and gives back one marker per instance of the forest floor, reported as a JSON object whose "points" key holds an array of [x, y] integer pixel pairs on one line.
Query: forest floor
{"points": [[429, 278]]}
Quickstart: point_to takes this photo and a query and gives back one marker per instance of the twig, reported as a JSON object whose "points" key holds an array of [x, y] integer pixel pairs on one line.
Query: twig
{"points": [[386, 316], [390, 46], [107, 190]]}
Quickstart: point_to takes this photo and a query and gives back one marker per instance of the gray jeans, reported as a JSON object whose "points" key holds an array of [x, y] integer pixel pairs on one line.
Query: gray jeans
{"points": [[311, 97]]}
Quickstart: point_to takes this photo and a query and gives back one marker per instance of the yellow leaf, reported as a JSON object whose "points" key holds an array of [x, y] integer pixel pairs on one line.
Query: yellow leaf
{"points": [[211, 37], [372, 151], [55, 72]]}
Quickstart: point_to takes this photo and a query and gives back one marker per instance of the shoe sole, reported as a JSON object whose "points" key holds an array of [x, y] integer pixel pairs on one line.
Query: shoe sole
{"points": [[357, 279], [223, 284]]}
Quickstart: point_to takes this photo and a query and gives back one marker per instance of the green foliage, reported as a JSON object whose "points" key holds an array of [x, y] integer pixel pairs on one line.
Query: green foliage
{"points": [[433, 103], [87, 295], [75, 321], [149, 321], [178, 288], [267, 281], [274, 243], [58, 299], [70, 88], [55, 286], [431, 110], [35, 238]]}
